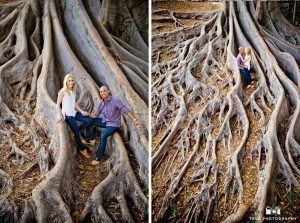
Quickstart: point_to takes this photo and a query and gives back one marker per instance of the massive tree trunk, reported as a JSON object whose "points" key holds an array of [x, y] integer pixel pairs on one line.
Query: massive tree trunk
{"points": [[220, 150], [100, 43]]}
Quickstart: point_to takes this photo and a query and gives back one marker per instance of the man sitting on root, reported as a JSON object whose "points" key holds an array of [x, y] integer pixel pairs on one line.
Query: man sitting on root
{"points": [[110, 109]]}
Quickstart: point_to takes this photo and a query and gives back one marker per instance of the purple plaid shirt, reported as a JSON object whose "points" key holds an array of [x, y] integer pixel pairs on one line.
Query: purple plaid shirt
{"points": [[240, 62], [111, 111]]}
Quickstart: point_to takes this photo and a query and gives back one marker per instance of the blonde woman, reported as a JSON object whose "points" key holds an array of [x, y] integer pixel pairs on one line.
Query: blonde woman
{"points": [[247, 63], [247, 60], [71, 112]]}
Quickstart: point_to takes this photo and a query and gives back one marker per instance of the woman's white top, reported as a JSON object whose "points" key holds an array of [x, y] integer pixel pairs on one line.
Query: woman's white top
{"points": [[68, 104], [247, 61]]}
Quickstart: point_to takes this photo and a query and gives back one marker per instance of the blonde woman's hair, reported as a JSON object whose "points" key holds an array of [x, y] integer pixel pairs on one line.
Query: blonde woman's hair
{"points": [[65, 83], [248, 51]]}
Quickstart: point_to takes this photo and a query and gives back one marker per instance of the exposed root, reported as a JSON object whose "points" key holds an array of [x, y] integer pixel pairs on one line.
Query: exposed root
{"points": [[125, 184], [20, 155]]}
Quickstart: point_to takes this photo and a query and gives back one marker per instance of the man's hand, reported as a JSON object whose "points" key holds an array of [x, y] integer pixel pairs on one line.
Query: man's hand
{"points": [[92, 115], [59, 118], [85, 113], [137, 121]]}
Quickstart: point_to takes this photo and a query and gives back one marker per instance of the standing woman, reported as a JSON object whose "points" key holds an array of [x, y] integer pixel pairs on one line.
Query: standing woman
{"points": [[71, 112], [247, 62]]}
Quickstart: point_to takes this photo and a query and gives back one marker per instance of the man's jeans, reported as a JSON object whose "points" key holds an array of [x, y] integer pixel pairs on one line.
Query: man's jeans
{"points": [[72, 123], [89, 131], [105, 133], [246, 75]]}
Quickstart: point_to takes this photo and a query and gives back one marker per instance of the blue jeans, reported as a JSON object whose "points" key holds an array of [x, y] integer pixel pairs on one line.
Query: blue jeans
{"points": [[246, 75], [72, 123], [89, 131], [107, 131]]}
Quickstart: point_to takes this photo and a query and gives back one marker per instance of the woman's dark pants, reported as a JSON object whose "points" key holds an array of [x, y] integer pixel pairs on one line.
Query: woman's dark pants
{"points": [[72, 123]]}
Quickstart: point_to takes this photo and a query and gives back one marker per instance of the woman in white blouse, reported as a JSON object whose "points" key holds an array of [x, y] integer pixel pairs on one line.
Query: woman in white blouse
{"points": [[247, 65], [71, 112]]}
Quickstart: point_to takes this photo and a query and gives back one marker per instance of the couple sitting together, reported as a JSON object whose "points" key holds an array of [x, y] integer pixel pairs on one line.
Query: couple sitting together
{"points": [[244, 64], [109, 109]]}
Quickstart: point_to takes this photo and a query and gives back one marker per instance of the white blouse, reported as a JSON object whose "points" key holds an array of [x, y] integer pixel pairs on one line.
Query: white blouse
{"points": [[68, 104], [247, 61]]}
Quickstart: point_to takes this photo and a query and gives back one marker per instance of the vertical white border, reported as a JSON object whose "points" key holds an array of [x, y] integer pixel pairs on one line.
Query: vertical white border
{"points": [[149, 111]]}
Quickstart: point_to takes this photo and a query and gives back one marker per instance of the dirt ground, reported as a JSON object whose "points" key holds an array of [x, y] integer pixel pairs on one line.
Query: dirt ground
{"points": [[187, 6], [179, 7]]}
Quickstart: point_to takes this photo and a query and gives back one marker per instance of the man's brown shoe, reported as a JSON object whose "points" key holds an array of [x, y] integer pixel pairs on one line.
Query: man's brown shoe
{"points": [[85, 154]]}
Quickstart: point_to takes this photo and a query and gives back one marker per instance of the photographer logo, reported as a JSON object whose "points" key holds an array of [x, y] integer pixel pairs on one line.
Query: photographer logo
{"points": [[273, 214], [272, 211]]}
